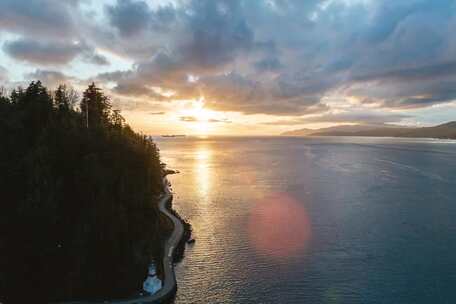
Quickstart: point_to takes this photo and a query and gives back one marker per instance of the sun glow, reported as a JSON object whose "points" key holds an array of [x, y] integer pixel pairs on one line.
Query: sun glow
{"points": [[202, 170], [200, 120], [202, 114]]}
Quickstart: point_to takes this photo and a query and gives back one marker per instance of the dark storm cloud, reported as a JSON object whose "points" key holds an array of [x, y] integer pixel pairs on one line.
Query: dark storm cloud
{"points": [[206, 35], [41, 53], [234, 92], [38, 17], [219, 32], [50, 78], [388, 16], [51, 53], [91, 56], [255, 56], [425, 95], [406, 94], [203, 34], [425, 72], [116, 76], [134, 17], [129, 17], [132, 89]]}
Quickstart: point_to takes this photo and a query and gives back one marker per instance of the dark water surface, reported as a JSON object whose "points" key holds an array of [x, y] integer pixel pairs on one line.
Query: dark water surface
{"points": [[318, 220]]}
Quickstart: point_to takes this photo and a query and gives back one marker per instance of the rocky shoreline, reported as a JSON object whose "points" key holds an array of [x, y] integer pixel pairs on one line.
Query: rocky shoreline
{"points": [[173, 252]]}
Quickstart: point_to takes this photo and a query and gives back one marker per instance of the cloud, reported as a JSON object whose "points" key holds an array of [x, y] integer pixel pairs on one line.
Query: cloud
{"points": [[234, 92], [358, 116], [3, 75], [196, 119], [414, 73], [219, 32], [91, 56], [50, 78], [41, 53], [268, 64], [38, 17], [51, 53], [204, 36], [252, 56], [408, 94], [140, 90], [220, 120], [210, 36], [129, 17], [188, 118]]}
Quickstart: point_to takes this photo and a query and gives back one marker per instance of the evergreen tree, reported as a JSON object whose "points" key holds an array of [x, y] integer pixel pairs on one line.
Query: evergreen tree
{"points": [[65, 98], [78, 211], [95, 107]]}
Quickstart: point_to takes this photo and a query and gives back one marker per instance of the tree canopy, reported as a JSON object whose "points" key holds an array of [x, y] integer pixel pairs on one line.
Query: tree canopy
{"points": [[79, 192]]}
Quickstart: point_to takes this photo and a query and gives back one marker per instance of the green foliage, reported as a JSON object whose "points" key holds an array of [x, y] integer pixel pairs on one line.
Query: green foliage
{"points": [[65, 99], [79, 216], [95, 107]]}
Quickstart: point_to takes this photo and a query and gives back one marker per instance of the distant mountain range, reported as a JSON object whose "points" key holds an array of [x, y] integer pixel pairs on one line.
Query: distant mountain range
{"points": [[447, 130]]}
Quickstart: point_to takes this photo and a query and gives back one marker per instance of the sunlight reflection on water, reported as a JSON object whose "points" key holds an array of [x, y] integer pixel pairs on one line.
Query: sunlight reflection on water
{"points": [[286, 220], [203, 171]]}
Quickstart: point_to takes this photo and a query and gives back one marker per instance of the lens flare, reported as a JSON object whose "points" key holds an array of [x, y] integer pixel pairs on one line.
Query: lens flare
{"points": [[279, 226]]}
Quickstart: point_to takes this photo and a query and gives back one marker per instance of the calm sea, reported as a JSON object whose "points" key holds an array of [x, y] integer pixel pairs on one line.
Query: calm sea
{"points": [[317, 220]]}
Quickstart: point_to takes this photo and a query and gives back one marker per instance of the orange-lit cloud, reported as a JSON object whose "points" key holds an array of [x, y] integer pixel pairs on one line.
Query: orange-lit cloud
{"points": [[155, 56]]}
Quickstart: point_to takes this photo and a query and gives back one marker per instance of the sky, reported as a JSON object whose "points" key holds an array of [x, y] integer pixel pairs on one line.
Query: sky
{"points": [[241, 67]]}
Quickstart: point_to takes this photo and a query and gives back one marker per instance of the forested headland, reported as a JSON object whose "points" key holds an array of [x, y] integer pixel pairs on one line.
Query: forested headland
{"points": [[79, 216]]}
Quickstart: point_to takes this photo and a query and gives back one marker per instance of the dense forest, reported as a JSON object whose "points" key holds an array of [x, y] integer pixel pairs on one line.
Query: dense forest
{"points": [[79, 216]]}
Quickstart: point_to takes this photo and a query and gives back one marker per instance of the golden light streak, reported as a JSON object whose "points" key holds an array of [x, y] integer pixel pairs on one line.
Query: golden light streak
{"points": [[203, 171]]}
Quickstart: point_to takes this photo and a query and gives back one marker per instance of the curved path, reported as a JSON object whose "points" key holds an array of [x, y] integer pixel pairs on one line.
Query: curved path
{"points": [[169, 285]]}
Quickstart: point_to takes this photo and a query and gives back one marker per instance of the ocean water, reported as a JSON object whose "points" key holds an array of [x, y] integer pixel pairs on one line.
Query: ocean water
{"points": [[316, 220]]}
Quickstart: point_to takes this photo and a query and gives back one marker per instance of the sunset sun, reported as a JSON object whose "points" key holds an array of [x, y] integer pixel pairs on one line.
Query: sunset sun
{"points": [[199, 120]]}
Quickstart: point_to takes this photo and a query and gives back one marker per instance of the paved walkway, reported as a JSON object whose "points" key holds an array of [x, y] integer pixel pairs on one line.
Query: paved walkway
{"points": [[169, 283]]}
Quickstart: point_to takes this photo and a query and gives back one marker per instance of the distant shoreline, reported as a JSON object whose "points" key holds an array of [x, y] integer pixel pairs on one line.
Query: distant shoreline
{"points": [[367, 136], [443, 131]]}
